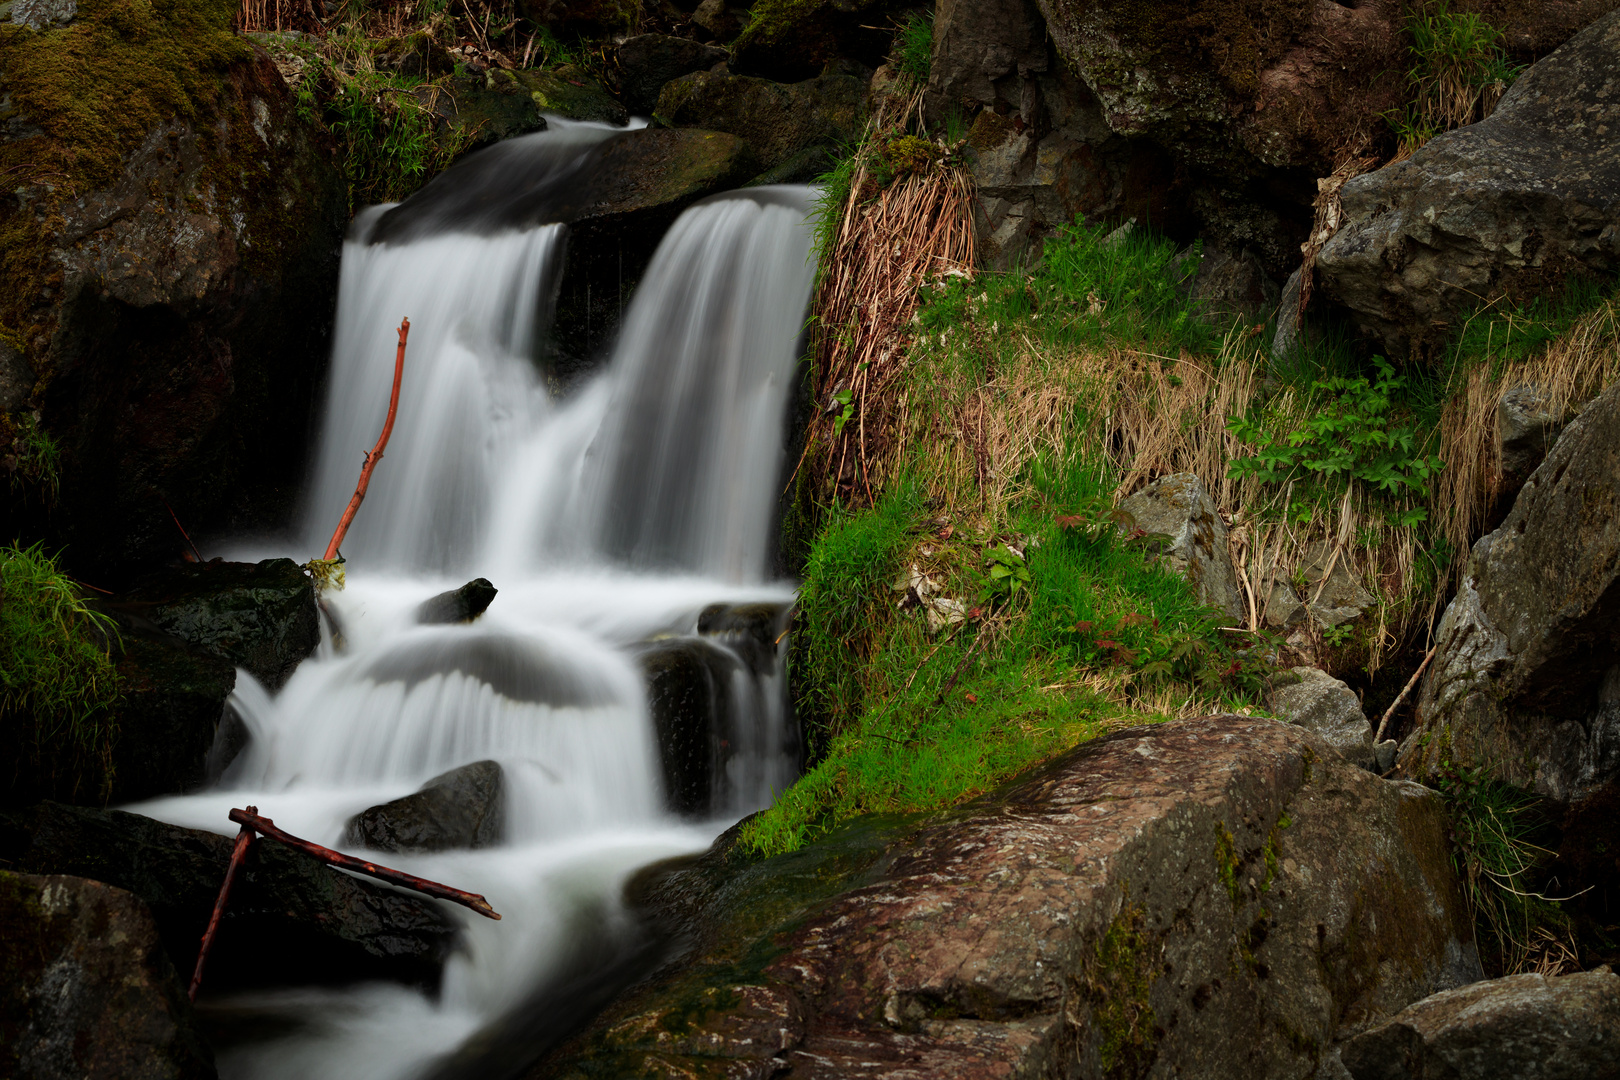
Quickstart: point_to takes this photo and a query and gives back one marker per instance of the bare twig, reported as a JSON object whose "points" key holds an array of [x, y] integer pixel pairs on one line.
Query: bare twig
{"points": [[238, 853], [1405, 690]]}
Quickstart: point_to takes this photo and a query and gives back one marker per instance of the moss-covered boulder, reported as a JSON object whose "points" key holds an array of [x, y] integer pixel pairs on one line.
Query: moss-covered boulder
{"points": [[1215, 897], [169, 233], [647, 61], [779, 121], [791, 40], [483, 108], [86, 988]]}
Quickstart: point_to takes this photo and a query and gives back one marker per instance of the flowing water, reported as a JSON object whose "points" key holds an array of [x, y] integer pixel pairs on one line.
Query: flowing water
{"points": [[608, 520]]}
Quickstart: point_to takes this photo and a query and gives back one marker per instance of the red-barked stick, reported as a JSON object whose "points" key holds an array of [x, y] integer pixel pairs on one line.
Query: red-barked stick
{"points": [[376, 454], [243, 839]]}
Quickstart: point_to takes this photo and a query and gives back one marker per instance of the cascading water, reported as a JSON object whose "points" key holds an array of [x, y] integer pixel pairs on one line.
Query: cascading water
{"points": [[608, 521]]}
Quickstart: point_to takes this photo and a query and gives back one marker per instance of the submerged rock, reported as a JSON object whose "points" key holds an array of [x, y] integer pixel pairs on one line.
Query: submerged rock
{"points": [[86, 989], [260, 616], [1218, 897], [461, 605], [1313, 699], [463, 808], [1176, 513], [1514, 203], [689, 694], [291, 919], [1523, 1027]]}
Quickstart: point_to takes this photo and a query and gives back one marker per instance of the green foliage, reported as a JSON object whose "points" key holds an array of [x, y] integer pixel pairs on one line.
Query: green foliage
{"points": [[832, 187], [1504, 333], [1086, 292], [34, 460], [57, 681], [914, 45], [1006, 576], [1356, 432], [1459, 72], [1494, 831]]}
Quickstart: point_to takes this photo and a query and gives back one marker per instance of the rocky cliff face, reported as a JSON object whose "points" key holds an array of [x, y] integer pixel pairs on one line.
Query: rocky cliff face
{"points": [[1217, 897]]}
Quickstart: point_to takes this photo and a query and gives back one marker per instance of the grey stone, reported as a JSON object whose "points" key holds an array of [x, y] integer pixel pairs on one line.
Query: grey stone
{"points": [[43, 14], [461, 605], [1218, 897], [1385, 753], [1523, 1027], [1177, 513], [86, 989], [462, 808], [1511, 203], [1285, 340], [1332, 595], [1527, 426], [1312, 698]]}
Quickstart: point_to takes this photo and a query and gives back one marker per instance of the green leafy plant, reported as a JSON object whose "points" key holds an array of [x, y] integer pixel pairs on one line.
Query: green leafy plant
{"points": [[1006, 576], [1356, 433], [57, 681]]}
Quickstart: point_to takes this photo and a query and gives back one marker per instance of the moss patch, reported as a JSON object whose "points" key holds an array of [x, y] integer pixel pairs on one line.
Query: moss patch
{"points": [[1117, 981]]}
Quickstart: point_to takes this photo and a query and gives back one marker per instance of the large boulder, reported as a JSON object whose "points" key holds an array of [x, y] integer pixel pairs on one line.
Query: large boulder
{"points": [[647, 61], [1313, 699], [291, 919], [1523, 1027], [462, 808], [1218, 897], [779, 121], [86, 988], [1175, 515], [1526, 674], [171, 233], [259, 616], [1513, 204]]}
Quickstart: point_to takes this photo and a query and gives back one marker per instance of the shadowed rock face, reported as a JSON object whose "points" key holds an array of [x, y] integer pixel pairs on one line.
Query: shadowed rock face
{"points": [[1514, 203], [1216, 897], [1524, 1027], [86, 989], [463, 808]]}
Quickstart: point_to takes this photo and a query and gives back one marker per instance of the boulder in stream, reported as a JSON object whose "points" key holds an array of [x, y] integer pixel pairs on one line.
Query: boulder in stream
{"points": [[689, 694], [291, 918], [648, 61], [86, 989], [462, 808], [461, 605], [1219, 897]]}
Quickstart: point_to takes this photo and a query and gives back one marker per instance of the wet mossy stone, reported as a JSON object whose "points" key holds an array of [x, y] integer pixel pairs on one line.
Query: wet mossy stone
{"points": [[791, 40], [169, 235], [689, 694], [778, 120], [462, 808], [647, 61], [86, 988], [291, 919], [752, 631], [572, 93], [461, 605], [259, 616]]}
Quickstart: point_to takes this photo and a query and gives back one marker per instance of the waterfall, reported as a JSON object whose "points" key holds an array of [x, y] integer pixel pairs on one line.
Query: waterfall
{"points": [[611, 521]]}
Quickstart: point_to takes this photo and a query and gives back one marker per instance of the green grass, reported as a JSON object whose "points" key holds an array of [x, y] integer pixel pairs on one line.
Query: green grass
{"points": [[1459, 72], [57, 681], [38, 460], [914, 45], [1503, 333]]}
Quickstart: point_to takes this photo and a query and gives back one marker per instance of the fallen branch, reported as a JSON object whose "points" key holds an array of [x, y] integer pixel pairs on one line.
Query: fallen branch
{"points": [[238, 853], [377, 452], [1407, 689]]}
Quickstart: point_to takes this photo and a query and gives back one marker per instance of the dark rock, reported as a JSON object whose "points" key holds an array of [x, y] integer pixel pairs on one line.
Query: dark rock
{"points": [[1526, 673], [1286, 340], [1511, 205], [16, 377], [778, 120], [1313, 699], [722, 20], [497, 105], [1177, 515], [461, 605], [176, 290], [648, 61], [1527, 426], [791, 40], [689, 695], [259, 616], [572, 93], [86, 989], [752, 631], [291, 919], [1217, 897], [1225, 287], [584, 18], [463, 808], [1523, 1027]]}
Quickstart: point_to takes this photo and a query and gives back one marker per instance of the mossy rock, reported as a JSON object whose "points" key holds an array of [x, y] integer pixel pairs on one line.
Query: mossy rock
{"points": [[168, 258], [780, 121], [574, 94], [792, 40]]}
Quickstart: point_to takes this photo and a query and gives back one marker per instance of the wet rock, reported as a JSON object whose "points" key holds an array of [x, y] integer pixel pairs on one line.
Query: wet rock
{"points": [[1523, 1027], [752, 631], [1512, 204], [689, 694], [259, 616], [778, 120], [572, 93], [1217, 897], [178, 302], [86, 989], [172, 704], [461, 605], [582, 18], [463, 808], [1313, 699], [791, 40], [497, 105], [1177, 515], [648, 61], [723, 21], [1526, 673], [291, 919]]}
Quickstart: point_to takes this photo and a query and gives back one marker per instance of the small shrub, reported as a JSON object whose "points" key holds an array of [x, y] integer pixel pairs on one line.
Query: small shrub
{"points": [[1459, 74]]}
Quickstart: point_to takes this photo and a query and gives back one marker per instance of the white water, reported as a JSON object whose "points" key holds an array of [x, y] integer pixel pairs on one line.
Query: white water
{"points": [[606, 520]]}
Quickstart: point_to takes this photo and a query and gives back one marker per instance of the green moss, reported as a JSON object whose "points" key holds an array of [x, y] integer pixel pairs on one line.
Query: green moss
{"points": [[1117, 981], [1227, 866]]}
